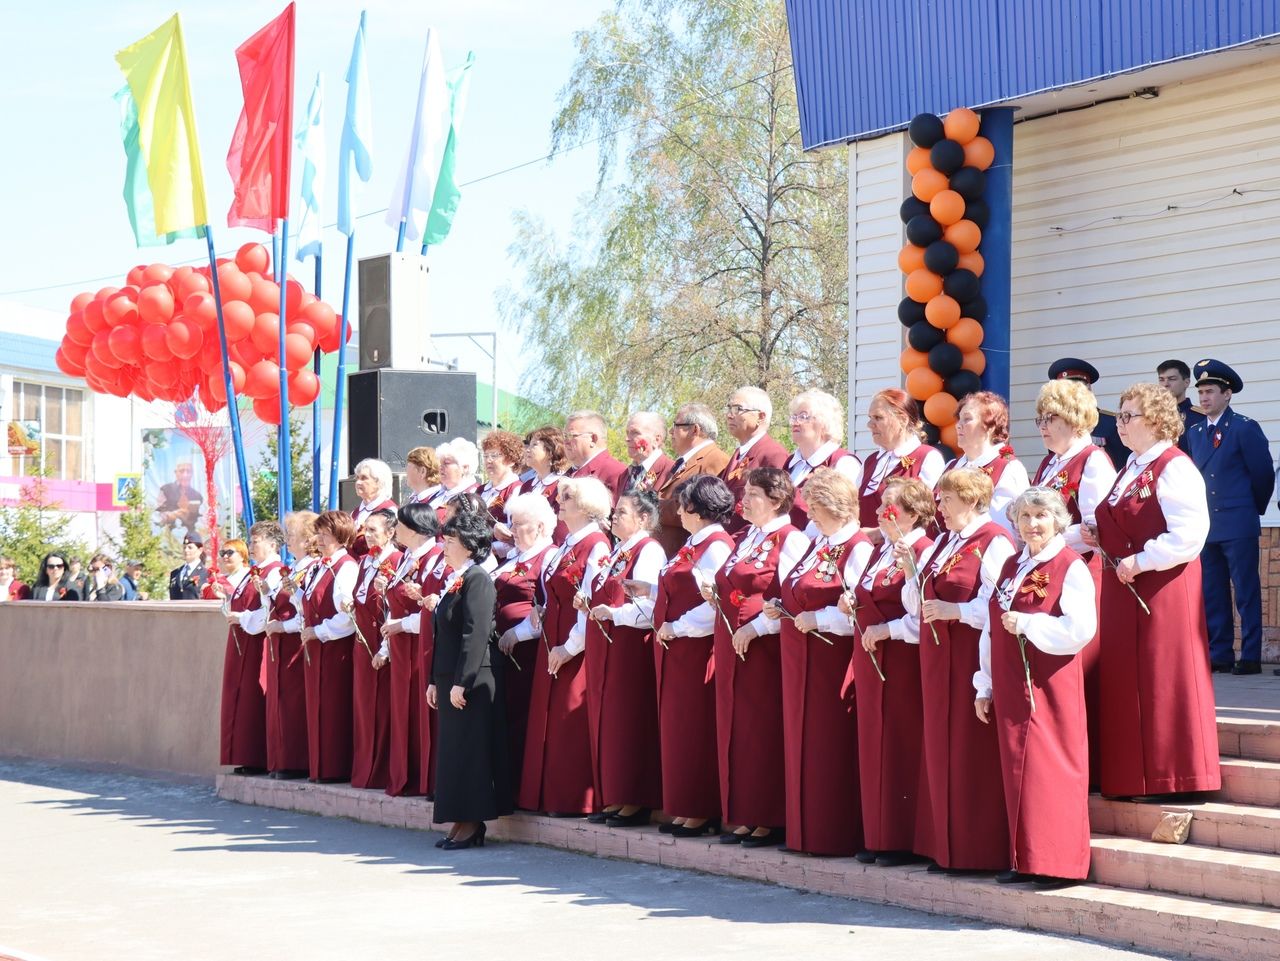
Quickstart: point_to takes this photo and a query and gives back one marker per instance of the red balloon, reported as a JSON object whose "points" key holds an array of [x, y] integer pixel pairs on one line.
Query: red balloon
{"points": [[307, 300], [306, 330], [104, 292], [183, 338], [67, 365], [233, 284], [213, 389], [154, 344], [265, 296], [253, 257], [201, 308], [119, 309], [293, 297], [93, 318], [262, 380], [187, 281], [163, 375], [102, 350], [297, 351], [125, 343], [266, 334], [155, 304], [245, 353], [134, 277], [77, 330], [267, 409], [237, 318], [75, 352], [237, 377], [210, 357], [329, 341], [79, 301], [142, 390], [320, 316], [156, 274], [304, 387]]}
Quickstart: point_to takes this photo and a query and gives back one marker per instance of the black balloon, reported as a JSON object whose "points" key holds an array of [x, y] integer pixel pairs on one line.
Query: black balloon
{"points": [[925, 130], [969, 182], [912, 207], [941, 257], [923, 230], [947, 156], [910, 312], [976, 308], [978, 212], [944, 359], [924, 337], [932, 436], [962, 383], [963, 285]]}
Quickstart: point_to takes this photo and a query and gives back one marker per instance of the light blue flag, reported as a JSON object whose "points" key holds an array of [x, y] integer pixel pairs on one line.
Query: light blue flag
{"points": [[137, 189], [310, 140], [354, 155]]}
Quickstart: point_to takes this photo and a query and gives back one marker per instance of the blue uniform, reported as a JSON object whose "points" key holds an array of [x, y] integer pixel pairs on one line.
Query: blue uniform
{"points": [[1235, 460], [1191, 415]]}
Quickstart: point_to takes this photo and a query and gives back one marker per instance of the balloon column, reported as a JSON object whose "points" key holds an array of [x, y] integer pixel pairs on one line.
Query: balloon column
{"points": [[156, 338], [943, 311]]}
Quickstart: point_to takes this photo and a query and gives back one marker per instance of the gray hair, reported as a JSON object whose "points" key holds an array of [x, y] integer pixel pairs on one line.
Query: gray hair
{"points": [[593, 417], [464, 452], [827, 412], [592, 496], [760, 399], [532, 507], [1041, 497], [379, 470], [651, 423], [702, 417]]}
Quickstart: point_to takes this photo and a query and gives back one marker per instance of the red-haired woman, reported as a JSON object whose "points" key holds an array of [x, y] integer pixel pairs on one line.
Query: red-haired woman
{"points": [[545, 455], [896, 428], [982, 431], [502, 453]]}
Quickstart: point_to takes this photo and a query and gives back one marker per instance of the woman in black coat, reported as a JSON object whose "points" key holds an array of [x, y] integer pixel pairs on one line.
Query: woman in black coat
{"points": [[472, 772], [53, 581]]}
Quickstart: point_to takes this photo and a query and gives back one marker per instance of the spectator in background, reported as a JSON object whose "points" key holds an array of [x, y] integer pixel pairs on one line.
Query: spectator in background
{"points": [[102, 584], [53, 582], [186, 582], [11, 589], [79, 579], [129, 581]]}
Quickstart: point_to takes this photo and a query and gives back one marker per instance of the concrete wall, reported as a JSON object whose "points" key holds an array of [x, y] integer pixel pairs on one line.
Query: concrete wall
{"points": [[133, 684]]}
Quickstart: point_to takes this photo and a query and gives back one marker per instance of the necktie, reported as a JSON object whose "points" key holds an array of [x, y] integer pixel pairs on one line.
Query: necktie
{"points": [[634, 472], [570, 472], [675, 468]]}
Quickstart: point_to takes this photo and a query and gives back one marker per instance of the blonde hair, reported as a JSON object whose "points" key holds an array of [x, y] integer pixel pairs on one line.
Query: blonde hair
{"points": [[300, 526], [833, 492], [971, 485], [912, 495], [425, 458], [591, 495], [1159, 410], [1070, 400]]}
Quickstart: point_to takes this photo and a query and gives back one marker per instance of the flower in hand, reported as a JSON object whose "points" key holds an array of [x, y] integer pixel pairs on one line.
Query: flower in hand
{"points": [[737, 598], [1009, 621], [602, 612], [806, 621], [873, 635]]}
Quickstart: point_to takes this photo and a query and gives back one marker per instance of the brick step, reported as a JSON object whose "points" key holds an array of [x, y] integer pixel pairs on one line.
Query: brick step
{"points": [[1237, 877], [1237, 827], [1247, 781], [1249, 738]]}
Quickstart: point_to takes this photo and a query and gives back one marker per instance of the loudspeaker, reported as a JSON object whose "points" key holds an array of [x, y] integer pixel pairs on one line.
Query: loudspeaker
{"points": [[390, 412], [394, 332], [349, 500]]}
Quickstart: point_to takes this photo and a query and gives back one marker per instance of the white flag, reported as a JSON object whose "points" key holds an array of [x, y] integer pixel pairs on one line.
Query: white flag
{"points": [[416, 187], [310, 140]]}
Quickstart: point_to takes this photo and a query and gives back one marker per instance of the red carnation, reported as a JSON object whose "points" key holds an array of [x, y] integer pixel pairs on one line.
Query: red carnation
{"points": [[521, 569], [737, 598], [684, 555]]}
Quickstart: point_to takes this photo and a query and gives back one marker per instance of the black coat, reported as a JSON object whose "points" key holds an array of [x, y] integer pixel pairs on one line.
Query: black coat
{"points": [[472, 772], [189, 589], [66, 586]]}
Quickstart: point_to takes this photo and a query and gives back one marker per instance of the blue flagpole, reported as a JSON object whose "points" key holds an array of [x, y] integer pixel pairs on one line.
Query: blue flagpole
{"points": [[340, 386], [315, 408], [275, 258], [400, 237], [285, 484], [233, 413]]}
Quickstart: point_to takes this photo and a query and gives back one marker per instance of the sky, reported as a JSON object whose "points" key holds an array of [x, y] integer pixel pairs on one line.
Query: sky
{"points": [[61, 170]]}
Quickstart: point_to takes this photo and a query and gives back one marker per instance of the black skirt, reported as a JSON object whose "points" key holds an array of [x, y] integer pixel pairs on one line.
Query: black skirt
{"points": [[473, 773]]}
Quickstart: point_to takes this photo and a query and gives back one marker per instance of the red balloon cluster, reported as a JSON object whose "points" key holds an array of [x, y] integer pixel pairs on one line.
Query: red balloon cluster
{"points": [[156, 338]]}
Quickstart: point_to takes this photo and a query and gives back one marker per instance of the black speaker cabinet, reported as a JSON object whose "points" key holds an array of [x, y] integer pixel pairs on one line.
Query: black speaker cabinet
{"points": [[390, 412]]}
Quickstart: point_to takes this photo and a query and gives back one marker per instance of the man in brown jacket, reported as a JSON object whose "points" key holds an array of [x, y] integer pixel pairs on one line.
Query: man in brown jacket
{"points": [[693, 441]]}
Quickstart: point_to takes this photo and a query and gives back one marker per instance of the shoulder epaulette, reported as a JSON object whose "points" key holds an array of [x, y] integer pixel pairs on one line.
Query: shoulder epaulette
{"points": [[1109, 413], [1197, 409]]}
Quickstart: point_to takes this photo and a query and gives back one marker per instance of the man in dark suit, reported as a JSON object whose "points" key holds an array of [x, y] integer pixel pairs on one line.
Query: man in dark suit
{"points": [[1232, 453], [180, 503], [586, 439], [747, 415], [693, 440], [646, 433], [1175, 377], [1105, 435], [186, 582]]}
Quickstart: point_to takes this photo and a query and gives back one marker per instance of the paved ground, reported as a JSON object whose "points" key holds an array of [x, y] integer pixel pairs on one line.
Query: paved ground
{"points": [[105, 866]]}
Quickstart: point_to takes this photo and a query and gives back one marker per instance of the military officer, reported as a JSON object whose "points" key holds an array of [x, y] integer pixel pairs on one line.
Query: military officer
{"points": [[1175, 377], [186, 583], [1105, 435], [1231, 452]]}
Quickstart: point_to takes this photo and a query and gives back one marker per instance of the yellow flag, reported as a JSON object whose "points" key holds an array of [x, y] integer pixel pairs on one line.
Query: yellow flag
{"points": [[156, 70]]}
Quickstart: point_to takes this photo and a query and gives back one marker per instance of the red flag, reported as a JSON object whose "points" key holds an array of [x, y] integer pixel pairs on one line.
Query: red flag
{"points": [[263, 142]]}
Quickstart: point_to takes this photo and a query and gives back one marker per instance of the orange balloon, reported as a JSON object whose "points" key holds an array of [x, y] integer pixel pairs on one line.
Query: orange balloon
{"points": [[961, 125], [967, 334], [912, 359], [972, 261], [940, 409], [922, 383], [979, 153], [964, 235], [975, 361], [928, 183], [947, 207], [918, 160], [910, 258], [948, 437], [942, 311], [923, 285]]}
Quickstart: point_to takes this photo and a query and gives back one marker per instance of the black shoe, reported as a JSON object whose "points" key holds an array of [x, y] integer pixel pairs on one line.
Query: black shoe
{"points": [[667, 827], [1043, 882], [896, 859], [709, 826], [288, 775], [1247, 667], [936, 868], [1221, 668], [732, 838], [636, 819], [561, 814], [598, 818], [442, 841], [1153, 798], [964, 872], [429, 798], [775, 836], [248, 771], [475, 840], [1014, 877], [329, 780], [866, 857]]}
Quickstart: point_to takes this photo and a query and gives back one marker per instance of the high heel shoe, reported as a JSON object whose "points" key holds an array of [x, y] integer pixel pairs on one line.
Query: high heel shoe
{"points": [[775, 836], [709, 826], [636, 819], [474, 840]]}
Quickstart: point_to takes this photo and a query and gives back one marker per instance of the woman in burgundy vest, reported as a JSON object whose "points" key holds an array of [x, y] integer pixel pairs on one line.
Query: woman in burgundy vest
{"points": [[817, 424], [962, 822], [373, 487], [1066, 412], [884, 671], [683, 659], [287, 752], [544, 454], [748, 662], [327, 639], [982, 431], [820, 734], [244, 706], [622, 698], [1041, 616], [556, 776], [370, 678], [502, 453], [531, 524], [433, 582], [1157, 695], [896, 427], [402, 588]]}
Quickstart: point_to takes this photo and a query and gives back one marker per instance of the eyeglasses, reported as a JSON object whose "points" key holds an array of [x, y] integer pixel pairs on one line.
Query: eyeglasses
{"points": [[1045, 419], [54, 567], [226, 553], [94, 570], [801, 417], [583, 433], [739, 409], [683, 424], [1126, 415]]}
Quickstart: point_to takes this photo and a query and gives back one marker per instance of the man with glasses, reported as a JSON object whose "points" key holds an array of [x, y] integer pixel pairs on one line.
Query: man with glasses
{"points": [[646, 433], [187, 582], [747, 416], [693, 441], [586, 441]]}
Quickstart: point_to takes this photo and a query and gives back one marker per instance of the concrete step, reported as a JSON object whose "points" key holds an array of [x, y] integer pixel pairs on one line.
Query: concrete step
{"points": [[1247, 781], [1247, 737], [1237, 827], [1237, 877]]}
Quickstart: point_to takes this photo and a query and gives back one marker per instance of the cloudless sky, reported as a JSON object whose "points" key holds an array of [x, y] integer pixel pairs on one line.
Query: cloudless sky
{"points": [[62, 164]]}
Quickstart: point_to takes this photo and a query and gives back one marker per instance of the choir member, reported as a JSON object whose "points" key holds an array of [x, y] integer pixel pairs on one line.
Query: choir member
{"points": [[649, 467], [820, 741], [373, 487], [693, 439], [586, 444], [422, 474], [244, 705], [287, 750], [459, 460], [748, 663], [622, 698], [556, 776], [502, 453], [963, 826], [1030, 687], [371, 682], [982, 431], [747, 416], [1157, 696], [884, 671], [896, 430], [466, 673], [544, 455], [817, 426]]}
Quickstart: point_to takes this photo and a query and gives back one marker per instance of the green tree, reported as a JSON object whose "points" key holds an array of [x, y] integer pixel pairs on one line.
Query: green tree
{"points": [[138, 541], [35, 527], [264, 482], [719, 256]]}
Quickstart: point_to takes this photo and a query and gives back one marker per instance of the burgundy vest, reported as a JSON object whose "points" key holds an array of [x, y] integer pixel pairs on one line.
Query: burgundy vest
{"points": [[799, 509], [1124, 527], [882, 601], [320, 604], [498, 504], [677, 588], [515, 589], [556, 588], [1067, 480], [397, 600], [959, 577], [606, 587], [869, 501], [817, 587], [743, 580]]}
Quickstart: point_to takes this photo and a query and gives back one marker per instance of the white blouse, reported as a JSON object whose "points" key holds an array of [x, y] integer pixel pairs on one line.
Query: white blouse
{"points": [[800, 467], [340, 625], [1000, 549], [830, 619], [930, 470], [698, 621], [1095, 483], [254, 621], [907, 627], [1181, 493], [1013, 481], [647, 568]]}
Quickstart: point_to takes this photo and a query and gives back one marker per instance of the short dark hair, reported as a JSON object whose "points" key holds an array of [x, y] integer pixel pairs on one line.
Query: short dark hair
{"points": [[386, 515], [420, 518], [646, 505], [468, 502], [1183, 370], [706, 496], [776, 484], [473, 531], [339, 524], [269, 530]]}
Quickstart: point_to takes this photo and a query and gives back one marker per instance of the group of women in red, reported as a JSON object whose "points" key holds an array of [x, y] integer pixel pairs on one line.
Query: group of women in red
{"points": [[911, 667]]}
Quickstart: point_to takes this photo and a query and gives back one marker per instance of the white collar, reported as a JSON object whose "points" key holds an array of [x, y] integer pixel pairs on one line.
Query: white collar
{"points": [[338, 555], [818, 456], [777, 523], [646, 465], [971, 528], [422, 549], [702, 535], [1047, 553], [545, 482], [630, 542], [537, 548], [579, 535], [496, 488], [468, 481], [843, 534], [590, 459], [905, 447], [1077, 445], [457, 574], [367, 506], [235, 579], [1151, 453], [750, 442], [989, 453], [425, 494]]}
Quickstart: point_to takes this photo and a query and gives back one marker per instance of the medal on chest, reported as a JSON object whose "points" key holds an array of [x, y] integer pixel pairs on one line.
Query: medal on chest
{"points": [[829, 557]]}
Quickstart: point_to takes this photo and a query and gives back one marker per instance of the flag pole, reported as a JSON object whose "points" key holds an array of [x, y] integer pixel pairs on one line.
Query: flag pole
{"points": [[285, 495], [275, 258], [340, 387], [315, 409], [233, 412], [400, 237]]}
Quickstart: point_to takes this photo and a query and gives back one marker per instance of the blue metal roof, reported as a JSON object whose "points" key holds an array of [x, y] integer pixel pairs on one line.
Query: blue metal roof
{"points": [[28, 353], [866, 67]]}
